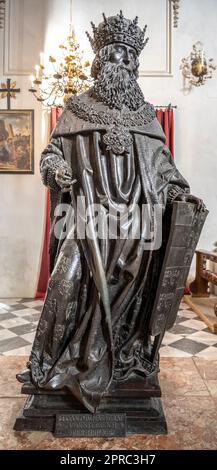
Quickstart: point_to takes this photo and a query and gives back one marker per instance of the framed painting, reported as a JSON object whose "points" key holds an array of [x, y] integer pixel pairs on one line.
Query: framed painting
{"points": [[17, 141]]}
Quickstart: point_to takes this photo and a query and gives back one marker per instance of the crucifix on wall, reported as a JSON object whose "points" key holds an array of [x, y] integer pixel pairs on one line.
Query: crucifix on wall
{"points": [[9, 91]]}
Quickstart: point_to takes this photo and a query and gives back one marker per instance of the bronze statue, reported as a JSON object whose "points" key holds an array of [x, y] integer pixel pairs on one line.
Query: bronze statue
{"points": [[110, 299]]}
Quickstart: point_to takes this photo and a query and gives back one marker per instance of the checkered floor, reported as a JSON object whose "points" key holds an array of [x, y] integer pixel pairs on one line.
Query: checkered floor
{"points": [[19, 317]]}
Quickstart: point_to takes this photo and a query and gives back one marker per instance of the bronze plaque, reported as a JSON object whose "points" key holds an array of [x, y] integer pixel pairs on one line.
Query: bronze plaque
{"points": [[85, 425]]}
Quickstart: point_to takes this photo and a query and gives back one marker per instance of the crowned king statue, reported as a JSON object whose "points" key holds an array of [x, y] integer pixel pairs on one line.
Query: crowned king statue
{"points": [[120, 256]]}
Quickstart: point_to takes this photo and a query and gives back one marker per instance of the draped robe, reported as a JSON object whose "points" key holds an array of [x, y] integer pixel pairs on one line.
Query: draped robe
{"points": [[94, 324]]}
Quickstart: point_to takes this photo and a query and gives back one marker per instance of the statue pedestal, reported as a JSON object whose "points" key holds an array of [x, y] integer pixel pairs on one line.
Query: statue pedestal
{"points": [[130, 407]]}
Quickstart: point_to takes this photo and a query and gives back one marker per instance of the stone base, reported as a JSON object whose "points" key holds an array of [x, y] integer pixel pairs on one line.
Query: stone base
{"points": [[72, 423], [130, 407]]}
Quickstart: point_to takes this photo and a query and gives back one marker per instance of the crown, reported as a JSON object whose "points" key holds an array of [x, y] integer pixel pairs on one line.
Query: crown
{"points": [[118, 29]]}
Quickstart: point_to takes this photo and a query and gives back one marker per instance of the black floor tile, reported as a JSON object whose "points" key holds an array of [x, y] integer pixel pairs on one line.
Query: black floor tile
{"points": [[39, 309], [6, 316], [182, 330], [27, 300], [189, 346], [23, 329], [32, 317], [19, 306], [12, 343]]}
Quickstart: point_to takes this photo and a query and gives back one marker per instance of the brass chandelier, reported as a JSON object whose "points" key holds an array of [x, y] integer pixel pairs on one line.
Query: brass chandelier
{"points": [[53, 83]]}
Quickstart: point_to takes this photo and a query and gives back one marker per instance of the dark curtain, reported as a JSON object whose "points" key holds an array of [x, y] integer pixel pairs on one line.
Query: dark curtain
{"points": [[166, 119], [44, 260]]}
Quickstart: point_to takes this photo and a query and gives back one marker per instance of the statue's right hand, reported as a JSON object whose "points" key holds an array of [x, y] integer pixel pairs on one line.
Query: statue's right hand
{"points": [[64, 180]]}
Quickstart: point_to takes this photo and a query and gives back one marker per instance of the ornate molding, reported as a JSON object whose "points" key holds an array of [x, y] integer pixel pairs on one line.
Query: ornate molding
{"points": [[2, 14], [175, 5]]}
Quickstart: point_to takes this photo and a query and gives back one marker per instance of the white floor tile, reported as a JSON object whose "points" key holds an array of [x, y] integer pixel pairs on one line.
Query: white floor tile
{"points": [[4, 310], [10, 301], [29, 336], [187, 314], [196, 324], [25, 312], [183, 306], [208, 353], [6, 334], [168, 351], [204, 337], [34, 303], [13, 322]]}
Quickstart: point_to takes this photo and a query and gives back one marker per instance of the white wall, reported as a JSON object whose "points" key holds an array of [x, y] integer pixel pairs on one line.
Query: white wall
{"points": [[21, 216], [196, 116], [22, 196]]}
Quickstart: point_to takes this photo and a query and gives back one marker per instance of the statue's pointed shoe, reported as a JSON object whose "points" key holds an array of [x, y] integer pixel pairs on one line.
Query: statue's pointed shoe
{"points": [[24, 376]]}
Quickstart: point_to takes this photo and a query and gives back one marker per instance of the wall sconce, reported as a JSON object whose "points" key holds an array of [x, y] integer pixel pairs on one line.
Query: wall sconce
{"points": [[196, 68]]}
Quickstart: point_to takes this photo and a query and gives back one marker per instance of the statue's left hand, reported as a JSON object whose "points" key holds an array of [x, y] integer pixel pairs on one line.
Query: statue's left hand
{"points": [[200, 206]]}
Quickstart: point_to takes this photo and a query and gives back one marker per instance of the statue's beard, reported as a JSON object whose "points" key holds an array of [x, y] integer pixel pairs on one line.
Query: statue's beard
{"points": [[117, 87]]}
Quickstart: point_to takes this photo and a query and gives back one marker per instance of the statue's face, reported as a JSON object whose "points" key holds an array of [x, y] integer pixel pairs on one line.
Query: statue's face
{"points": [[115, 70], [123, 54]]}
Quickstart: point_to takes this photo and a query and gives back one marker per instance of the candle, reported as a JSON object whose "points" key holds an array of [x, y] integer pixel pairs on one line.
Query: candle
{"points": [[42, 59], [202, 58], [32, 78], [37, 68]]}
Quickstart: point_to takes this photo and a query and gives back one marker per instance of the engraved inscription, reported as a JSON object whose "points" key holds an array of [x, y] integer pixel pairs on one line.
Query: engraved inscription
{"points": [[97, 425], [165, 301], [171, 277]]}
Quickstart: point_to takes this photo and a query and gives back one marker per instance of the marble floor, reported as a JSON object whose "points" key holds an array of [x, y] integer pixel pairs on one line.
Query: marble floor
{"points": [[188, 380], [19, 317], [189, 395]]}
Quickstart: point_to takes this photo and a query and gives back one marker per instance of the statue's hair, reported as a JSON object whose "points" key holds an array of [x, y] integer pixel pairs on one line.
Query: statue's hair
{"points": [[102, 56]]}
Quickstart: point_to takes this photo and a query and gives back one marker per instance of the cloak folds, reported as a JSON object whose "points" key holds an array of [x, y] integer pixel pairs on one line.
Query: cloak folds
{"points": [[101, 290]]}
